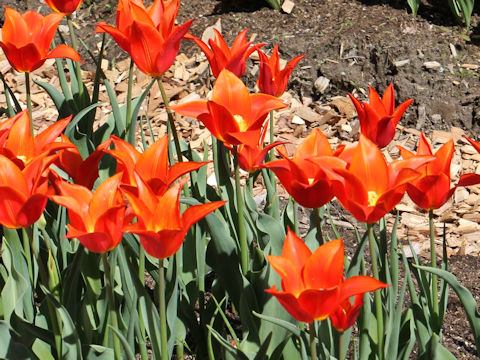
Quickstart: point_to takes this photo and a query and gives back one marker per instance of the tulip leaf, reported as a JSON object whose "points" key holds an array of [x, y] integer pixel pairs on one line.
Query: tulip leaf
{"points": [[9, 349], [99, 353], [293, 329], [274, 232], [129, 354], [29, 332], [136, 104], [414, 5], [236, 353], [57, 97], [468, 300]]}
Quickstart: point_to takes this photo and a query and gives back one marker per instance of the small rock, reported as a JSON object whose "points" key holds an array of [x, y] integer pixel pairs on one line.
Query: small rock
{"points": [[287, 6], [297, 120], [432, 65], [321, 84], [453, 50], [401, 63]]}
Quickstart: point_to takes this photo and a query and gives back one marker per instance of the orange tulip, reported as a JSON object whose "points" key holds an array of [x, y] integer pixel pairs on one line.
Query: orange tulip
{"points": [[432, 189], [371, 188], [23, 192], [220, 56], [272, 80], [379, 118], [313, 283], [232, 115], [96, 219], [64, 6], [469, 179], [346, 314], [152, 165], [21, 146], [309, 177], [26, 40], [83, 172], [148, 34], [161, 236]]}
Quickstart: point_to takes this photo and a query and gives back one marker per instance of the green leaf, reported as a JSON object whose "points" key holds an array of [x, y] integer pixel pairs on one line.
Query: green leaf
{"points": [[9, 349], [126, 347], [237, 354], [468, 300], [282, 323], [414, 4], [97, 352]]}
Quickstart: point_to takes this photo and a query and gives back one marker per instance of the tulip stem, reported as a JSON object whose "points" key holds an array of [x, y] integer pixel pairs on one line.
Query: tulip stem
{"points": [[29, 99], [78, 71], [341, 341], [128, 116], [162, 310], [272, 134], [111, 306], [378, 295], [313, 344], [433, 260], [318, 224], [241, 219], [171, 122]]}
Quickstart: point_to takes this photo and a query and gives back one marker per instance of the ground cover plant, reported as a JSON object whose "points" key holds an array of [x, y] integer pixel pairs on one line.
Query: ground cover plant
{"points": [[87, 217]]}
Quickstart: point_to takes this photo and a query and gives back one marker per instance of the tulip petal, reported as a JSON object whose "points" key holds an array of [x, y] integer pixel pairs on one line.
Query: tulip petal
{"points": [[319, 303], [291, 304]]}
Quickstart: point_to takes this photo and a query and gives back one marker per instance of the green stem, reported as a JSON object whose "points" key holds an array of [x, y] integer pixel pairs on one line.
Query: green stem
{"points": [[141, 277], [78, 71], [241, 218], [128, 118], [28, 254], [313, 345], [295, 217], [28, 237], [433, 259], [378, 294], [341, 341], [318, 224], [272, 135], [162, 310], [29, 99], [171, 121], [111, 306]]}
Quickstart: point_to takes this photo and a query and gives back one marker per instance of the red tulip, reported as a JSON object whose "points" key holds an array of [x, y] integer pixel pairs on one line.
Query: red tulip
{"points": [[371, 188], [309, 177], [432, 188], [220, 56], [148, 34], [232, 115], [470, 179], [272, 80], [64, 6], [152, 165], [346, 314], [83, 172], [21, 146], [250, 158], [26, 40], [23, 192], [379, 118], [161, 236], [96, 219], [313, 284]]}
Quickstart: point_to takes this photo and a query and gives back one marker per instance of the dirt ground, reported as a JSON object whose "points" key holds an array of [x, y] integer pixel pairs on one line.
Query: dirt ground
{"points": [[355, 44]]}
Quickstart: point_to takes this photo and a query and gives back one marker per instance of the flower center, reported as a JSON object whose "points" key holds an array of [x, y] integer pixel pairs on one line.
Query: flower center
{"points": [[241, 122], [372, 198], [310, 181]]}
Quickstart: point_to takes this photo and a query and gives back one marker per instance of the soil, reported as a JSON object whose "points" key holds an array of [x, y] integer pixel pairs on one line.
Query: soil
{"points": [[355, 44]]}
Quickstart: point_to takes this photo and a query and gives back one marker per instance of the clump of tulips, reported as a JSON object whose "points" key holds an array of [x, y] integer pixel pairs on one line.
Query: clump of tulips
{"points": [[89, 216]]}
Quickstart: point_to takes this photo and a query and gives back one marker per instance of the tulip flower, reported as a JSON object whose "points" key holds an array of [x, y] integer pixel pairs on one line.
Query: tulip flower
{"points": [[272, 80], [96, 219], [432, 188], [371, 188], [20, 146], [26, 40], [346, 314], [148, 34], [220, 56], [64, 6], [313, 285], [23, 192], [250, 158], [161, 236], [83, 172], [232, 115], [309, 177], [379, 118], [470, 179], [152, 165]]}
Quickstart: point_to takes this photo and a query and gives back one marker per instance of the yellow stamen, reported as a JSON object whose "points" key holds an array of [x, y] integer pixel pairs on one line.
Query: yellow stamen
{"points": [[372, 198], [310, 181], [241, 122]]}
